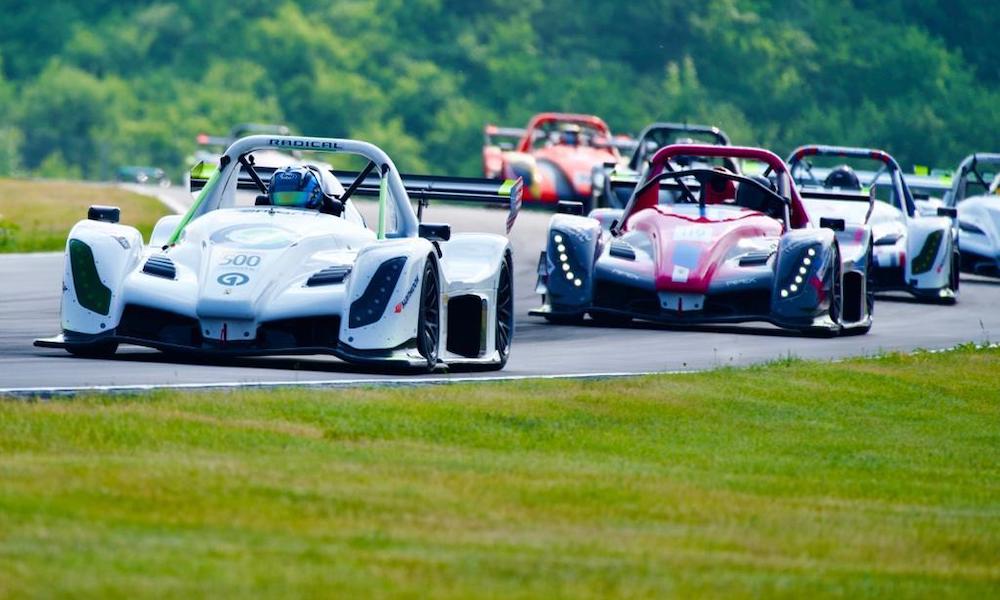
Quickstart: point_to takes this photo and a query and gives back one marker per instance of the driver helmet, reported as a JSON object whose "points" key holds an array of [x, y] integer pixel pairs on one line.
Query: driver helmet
{"points": [[296, 187], [570, 134], [842, 177]]}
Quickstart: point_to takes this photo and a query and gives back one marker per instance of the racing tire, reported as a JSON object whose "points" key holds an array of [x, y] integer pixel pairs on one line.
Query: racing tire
{"points": [[504, 314], [429, 320], [869, 296], [956, 270], [98, 350]]}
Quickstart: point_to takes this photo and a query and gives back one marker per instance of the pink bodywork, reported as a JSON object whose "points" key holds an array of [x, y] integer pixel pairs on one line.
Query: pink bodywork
{"points": [[690, 250]]}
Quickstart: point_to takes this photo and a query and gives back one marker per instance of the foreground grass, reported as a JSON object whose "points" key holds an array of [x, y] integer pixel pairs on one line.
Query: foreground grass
{"points": [[865, 478], [36, 215]]}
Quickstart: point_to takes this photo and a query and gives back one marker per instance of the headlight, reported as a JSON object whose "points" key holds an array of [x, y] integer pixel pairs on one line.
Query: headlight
{"points": [[925, 259], [91, 293], [800, 273], [371, 305]]}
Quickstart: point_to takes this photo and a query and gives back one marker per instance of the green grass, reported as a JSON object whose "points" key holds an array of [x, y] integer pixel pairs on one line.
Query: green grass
{"points": [[868, 478], [36, 215]]}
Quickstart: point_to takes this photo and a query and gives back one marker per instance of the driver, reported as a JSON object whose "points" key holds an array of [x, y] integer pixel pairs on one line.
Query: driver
{"points": [[720, 189], [570, 134], [301, 187], [842, 177]]}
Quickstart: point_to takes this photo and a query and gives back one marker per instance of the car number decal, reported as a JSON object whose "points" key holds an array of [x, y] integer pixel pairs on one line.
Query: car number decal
{"points": [[247, 261]]}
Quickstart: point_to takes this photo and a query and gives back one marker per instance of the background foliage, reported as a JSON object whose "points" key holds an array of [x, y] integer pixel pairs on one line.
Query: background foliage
{"points": [[85, 87]]}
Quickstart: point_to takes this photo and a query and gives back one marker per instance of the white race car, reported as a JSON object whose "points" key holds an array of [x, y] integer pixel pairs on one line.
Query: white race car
{"points": [[975, 193], [912, 252], [297, 271]]}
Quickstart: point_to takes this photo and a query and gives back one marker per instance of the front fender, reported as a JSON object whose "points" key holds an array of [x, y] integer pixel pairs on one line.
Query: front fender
{"points": [[98, 257], [566, 275], [803, 261], [929, 246], [383, 314], [471, 261]]}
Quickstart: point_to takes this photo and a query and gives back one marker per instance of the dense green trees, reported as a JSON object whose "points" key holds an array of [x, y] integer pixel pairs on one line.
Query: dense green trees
{"points": [[85, 87]]}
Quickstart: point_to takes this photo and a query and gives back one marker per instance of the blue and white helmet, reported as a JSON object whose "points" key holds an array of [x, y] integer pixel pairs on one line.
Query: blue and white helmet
{"points": [[297, 187]]}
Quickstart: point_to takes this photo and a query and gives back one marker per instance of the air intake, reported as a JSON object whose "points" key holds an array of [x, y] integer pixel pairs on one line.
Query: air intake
{"points": [[620, 249], [160, 266], [329, 275]]}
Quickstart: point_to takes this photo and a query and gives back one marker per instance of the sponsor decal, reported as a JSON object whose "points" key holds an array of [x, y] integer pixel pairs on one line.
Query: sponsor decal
{"points": [[306, 144], [680, 274], [263, 237], [232, 279], [692, 233], [409, 294]]}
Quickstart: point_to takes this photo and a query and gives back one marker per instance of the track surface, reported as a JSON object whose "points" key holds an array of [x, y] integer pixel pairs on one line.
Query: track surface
{"points": [[29, 308]]}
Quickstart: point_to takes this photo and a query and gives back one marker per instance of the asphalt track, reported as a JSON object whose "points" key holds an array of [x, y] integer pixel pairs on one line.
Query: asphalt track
{"points": [[29, 308]]}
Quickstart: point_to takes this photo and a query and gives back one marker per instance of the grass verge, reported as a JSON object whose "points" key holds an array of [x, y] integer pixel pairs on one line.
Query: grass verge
{"points": [[867, 478], [36, 215]]}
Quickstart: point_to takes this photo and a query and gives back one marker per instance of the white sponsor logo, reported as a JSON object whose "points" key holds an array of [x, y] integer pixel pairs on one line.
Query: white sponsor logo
{"points": [[692, 233], [680, 274]]}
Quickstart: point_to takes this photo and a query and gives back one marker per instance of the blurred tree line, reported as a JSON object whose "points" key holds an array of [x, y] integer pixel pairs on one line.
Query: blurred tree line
{"points": [[86, 87]]}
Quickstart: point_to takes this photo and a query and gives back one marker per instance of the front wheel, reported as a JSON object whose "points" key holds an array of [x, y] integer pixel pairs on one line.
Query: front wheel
{"points": [[505, 313], [429, 321]]}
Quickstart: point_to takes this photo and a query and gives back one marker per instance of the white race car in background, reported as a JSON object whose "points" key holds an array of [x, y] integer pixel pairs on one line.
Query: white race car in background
{"points": [[912, 252], [238, 280], [975, 193]]}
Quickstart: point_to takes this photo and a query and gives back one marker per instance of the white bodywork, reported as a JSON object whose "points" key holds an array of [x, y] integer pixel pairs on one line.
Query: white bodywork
{"points": [[898, 241], [239, 271]]}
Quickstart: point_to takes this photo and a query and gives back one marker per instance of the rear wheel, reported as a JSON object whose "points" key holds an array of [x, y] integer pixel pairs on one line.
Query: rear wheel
{"points": [[429, 322]]}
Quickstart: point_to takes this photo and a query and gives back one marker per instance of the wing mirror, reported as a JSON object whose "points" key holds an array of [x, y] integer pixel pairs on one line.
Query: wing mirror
{"points": [[107, 214], [947, 211], [435, 232], [568, 207]]}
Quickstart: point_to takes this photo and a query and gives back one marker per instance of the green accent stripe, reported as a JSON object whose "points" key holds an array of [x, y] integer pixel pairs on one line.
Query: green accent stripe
{"points": [[506, 187], [205, 191]]}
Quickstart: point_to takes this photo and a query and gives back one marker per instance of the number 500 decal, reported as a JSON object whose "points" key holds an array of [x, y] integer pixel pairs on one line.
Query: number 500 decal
{"points": [[241, 260]]}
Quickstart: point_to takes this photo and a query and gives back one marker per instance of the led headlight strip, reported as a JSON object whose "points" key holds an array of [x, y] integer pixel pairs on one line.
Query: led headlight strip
{"points": [[563, 258], [369, 307], [805, 266]]}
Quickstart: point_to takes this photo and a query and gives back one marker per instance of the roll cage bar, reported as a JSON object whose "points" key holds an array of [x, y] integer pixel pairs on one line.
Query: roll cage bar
{"points": [[639, 154], [646, 196], [797, 161], [970, 165], [524, 144]]}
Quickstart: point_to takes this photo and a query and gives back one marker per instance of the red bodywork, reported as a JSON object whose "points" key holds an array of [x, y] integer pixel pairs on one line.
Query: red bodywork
{"points": [[691, 248], [556, 171]]}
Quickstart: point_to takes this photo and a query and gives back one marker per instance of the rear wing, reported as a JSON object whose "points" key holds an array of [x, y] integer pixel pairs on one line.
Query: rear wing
{"points": [[422, 188], [841, 196]]}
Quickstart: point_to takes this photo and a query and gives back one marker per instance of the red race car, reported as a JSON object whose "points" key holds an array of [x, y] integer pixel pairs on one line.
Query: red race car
{"points": [[554, 154]]}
